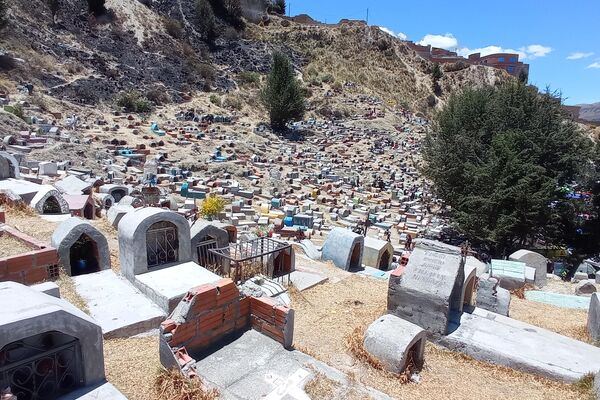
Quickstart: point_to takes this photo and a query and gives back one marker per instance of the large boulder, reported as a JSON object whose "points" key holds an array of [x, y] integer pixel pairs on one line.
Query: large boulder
{"points": [[585, 287], [391, 340]]}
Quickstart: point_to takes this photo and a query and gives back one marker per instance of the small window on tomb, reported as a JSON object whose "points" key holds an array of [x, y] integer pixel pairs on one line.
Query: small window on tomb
{"points": [[84, 256], [51, 206], [45, 366], [162, 244]]}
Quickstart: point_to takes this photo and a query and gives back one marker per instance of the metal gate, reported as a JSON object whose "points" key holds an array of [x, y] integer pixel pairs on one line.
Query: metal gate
{"points": [[206, 258], [162, 244], [36, 371]]}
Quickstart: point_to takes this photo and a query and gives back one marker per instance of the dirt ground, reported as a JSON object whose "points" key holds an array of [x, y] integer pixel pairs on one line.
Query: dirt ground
{"points": [[328, 313]]}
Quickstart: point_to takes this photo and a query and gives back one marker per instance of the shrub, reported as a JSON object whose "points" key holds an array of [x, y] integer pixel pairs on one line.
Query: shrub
{"points": [[158, 96], [211, 207], [216, 100], [173, 385], [248, 77], [16, 110], [283, 95], [96, 7], [133, 101], [233, 102], [206, 22], [327, 78], [173, 28]]}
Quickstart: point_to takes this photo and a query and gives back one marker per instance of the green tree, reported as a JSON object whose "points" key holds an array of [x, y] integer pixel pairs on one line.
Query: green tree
{"points": [[3, 11], [282, 94], [436, 75], [499, 157], [206, 21], [279, 7]]}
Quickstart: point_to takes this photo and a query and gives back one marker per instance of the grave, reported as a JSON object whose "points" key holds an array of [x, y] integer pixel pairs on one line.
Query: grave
{"points": [[206, 235], [512, 274], [9, 166], [40, 333], [396, 343], [116, 212], [152, 238], [377, 253], [82, 249], [116, 191], [491, 297], [535, 261], [593, 322], [428, 291], [49, 201], [344, 248]]}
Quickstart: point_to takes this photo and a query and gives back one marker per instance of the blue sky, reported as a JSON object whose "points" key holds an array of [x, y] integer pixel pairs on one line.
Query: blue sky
{"points": [[559, 39]]}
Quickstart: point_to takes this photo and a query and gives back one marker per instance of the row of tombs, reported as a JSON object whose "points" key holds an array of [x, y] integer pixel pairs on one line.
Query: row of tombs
{"points": [[61, 352]]}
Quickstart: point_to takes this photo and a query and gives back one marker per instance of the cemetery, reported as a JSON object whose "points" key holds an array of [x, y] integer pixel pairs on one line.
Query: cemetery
{"points": [[325, 262]]}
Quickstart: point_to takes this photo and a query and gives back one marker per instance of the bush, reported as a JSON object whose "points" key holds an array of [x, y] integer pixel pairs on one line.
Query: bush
{"points": [[229, 10], [158, 96], [216, 100], [206, 22], [327, 78], [233, 102], [96, 7], [211, 207], [16, 110], [133, 101], [3, 19], [283, 95], [173, 28], [250, 78]]}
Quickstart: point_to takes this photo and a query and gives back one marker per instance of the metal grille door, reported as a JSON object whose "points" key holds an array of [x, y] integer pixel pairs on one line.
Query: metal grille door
{"points": [[162, 244], [206, 258]]}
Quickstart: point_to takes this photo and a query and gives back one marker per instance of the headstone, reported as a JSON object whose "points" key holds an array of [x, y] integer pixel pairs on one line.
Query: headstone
{"points": [[394, 341], [585, 287], [491, 297], [593, 322], [535, 261], [428, 290]]}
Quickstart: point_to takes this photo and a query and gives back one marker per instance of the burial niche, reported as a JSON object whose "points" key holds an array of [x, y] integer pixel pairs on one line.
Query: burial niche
{"points": [[84, 256], [355, 258], [44, 366], [51, 206], [384, 263], [162, 244], [118, 194]]}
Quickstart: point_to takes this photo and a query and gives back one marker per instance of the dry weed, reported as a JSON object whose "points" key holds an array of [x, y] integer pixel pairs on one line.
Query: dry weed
{"points": [[69, 292], [321, 387], [172, 385]]}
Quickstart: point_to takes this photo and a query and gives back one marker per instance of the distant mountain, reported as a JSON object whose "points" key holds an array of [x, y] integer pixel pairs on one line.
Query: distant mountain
{"points": [[590, 112]]}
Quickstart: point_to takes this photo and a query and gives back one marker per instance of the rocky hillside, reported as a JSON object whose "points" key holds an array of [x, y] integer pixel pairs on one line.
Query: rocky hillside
{"points": [[590, 112], [155, 47]]}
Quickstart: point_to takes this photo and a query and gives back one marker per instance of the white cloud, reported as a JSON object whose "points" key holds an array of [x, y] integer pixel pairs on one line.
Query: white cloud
{"points": [[399, 35], [595, 65], [536, 50], [579, 55], [447, 41]]}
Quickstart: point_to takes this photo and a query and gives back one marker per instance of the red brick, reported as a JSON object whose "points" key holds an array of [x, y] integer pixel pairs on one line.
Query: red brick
{"points": [[168, 326], [398, 271], [182, 356], [20, 262], [183, 333], [46, 257], [3, 266], [36, 275], [199, 343], [242, 323]]}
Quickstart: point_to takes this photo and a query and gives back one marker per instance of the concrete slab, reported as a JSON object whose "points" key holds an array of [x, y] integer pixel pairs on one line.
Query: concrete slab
{"points": [[496, 339], [167, 286], [119, 308], [105, 391], [50, 288], [305, 280], [559, 300], [55, 217], [375, 273], [256, 367]]}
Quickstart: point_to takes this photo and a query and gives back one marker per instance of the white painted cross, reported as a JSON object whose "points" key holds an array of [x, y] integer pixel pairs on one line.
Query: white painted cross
{"points": [[289, 386]]}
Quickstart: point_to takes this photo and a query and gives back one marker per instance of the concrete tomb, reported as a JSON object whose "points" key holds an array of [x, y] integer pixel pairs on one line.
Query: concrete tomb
{"points": [[344, 248], [49, 348], [82, 249], [377, 253], [116, 191], [593, 322], [428, 291], [48, 200], [491, 297], [9, 166], [152, 238], [512, 274], [205, 236], [396, 343], [586, 287], [116, 212], [535, 261]]}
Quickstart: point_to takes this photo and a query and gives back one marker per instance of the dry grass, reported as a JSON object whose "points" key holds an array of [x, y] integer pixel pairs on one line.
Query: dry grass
{"points": [[520, 292], [327, 314], [132, 365], [565, 321], [11, 246], [172, 385], [321, 387], [27, 221], [68, 292]]}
